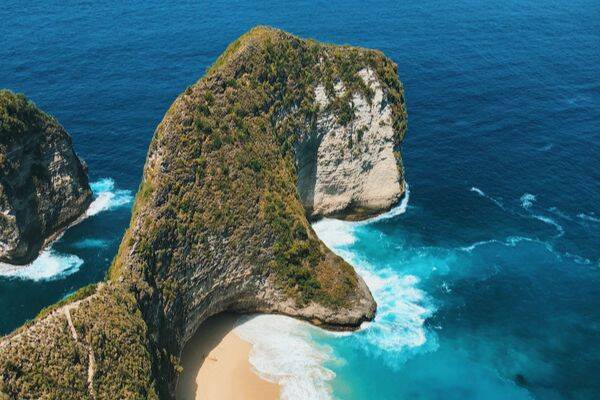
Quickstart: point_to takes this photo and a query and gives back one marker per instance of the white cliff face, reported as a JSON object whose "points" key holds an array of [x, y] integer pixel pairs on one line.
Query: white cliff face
{"points": [[356, 172]]}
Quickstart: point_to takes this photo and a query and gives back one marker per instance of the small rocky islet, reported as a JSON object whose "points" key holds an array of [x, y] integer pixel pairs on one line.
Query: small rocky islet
{"points": [[278, 132], [43, 184]]}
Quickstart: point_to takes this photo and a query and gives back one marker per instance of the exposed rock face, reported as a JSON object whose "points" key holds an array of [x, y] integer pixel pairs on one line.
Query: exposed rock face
{"points": [[220, 220], [43, 184], [354, 170]]}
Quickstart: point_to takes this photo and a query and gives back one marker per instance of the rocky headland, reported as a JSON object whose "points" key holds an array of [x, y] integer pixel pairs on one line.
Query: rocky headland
{"points": [[43, 184], [279, 131]]}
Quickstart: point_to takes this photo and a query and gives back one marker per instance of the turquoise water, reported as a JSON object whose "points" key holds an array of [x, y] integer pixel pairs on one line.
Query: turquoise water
{"points": [[488, 282], [509, 317]]}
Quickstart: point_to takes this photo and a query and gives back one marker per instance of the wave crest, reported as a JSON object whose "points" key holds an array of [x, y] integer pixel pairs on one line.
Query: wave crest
{"points": [[550, 221], [50, 265], [283, 352], [398, 210]]}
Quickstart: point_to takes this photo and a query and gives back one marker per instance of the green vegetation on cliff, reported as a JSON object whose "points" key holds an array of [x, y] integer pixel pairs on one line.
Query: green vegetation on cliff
{"points": [[18, 117], [109, 358], [18, 114], [217, 225], [231, 167]]}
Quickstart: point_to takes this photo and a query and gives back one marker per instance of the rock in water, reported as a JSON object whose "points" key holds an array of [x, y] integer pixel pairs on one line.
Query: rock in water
{"points": [[43, 184], [279, 130], [352, 169]]}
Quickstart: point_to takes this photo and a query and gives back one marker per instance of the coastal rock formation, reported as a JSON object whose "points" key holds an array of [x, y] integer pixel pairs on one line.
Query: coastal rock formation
{"points": [[351, 170], [220, 222], [43, 184]]}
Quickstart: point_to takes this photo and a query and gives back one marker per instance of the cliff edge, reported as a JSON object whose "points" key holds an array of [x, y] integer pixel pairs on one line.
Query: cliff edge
{"points": [[239, 164], [43, 184]]}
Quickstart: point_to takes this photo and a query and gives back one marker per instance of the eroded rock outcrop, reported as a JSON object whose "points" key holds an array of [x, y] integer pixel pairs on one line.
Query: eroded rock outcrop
{"points": [[220, 220], [352, 170], [43, 184]]}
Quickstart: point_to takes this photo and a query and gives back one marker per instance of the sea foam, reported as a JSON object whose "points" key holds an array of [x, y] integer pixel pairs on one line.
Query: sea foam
{"points": [[107, 197], [283, 349], [510, 241], [478, 191], [283, 352], [560, 231], [587, 217], [334, 233], [402, 306], [527, 200], [557, 211], [91, 243], [397, 210], [484, 195], [50, 265]]}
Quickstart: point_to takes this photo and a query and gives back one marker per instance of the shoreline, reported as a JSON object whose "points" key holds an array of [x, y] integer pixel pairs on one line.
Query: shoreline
{"points": [[216, 365]]}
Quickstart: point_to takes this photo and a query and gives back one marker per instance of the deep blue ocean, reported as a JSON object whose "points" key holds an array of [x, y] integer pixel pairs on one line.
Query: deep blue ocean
{"points": [[487, 278]]}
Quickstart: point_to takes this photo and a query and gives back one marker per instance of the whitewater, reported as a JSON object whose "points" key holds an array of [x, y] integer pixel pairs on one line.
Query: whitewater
{"points": [[53, 265], [288, 352]]}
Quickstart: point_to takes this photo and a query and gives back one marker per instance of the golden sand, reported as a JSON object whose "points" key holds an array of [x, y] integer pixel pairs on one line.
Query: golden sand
{"points": [[216, 367]]}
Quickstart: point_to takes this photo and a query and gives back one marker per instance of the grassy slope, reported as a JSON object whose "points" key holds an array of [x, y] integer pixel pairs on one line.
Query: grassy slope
{"points": [[44, 361]]}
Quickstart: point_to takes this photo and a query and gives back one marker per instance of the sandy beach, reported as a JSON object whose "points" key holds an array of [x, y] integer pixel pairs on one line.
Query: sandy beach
{"points": [[216, 366]]}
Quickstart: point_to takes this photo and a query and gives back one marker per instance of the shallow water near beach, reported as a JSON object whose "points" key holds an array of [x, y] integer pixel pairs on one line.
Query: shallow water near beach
{"points": [[487, 277]]}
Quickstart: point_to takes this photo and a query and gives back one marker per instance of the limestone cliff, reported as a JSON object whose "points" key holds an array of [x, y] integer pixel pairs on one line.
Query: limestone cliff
{"points": [[220, 220], [43, 184], [352, 170]]}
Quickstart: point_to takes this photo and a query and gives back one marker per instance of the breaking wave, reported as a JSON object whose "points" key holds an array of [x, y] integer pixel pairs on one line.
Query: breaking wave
{"points": [[398, 210], [335, 233], [399, 325], [402, 308], [283, 349], [50, 265], [107, 197], [283, 352]]}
